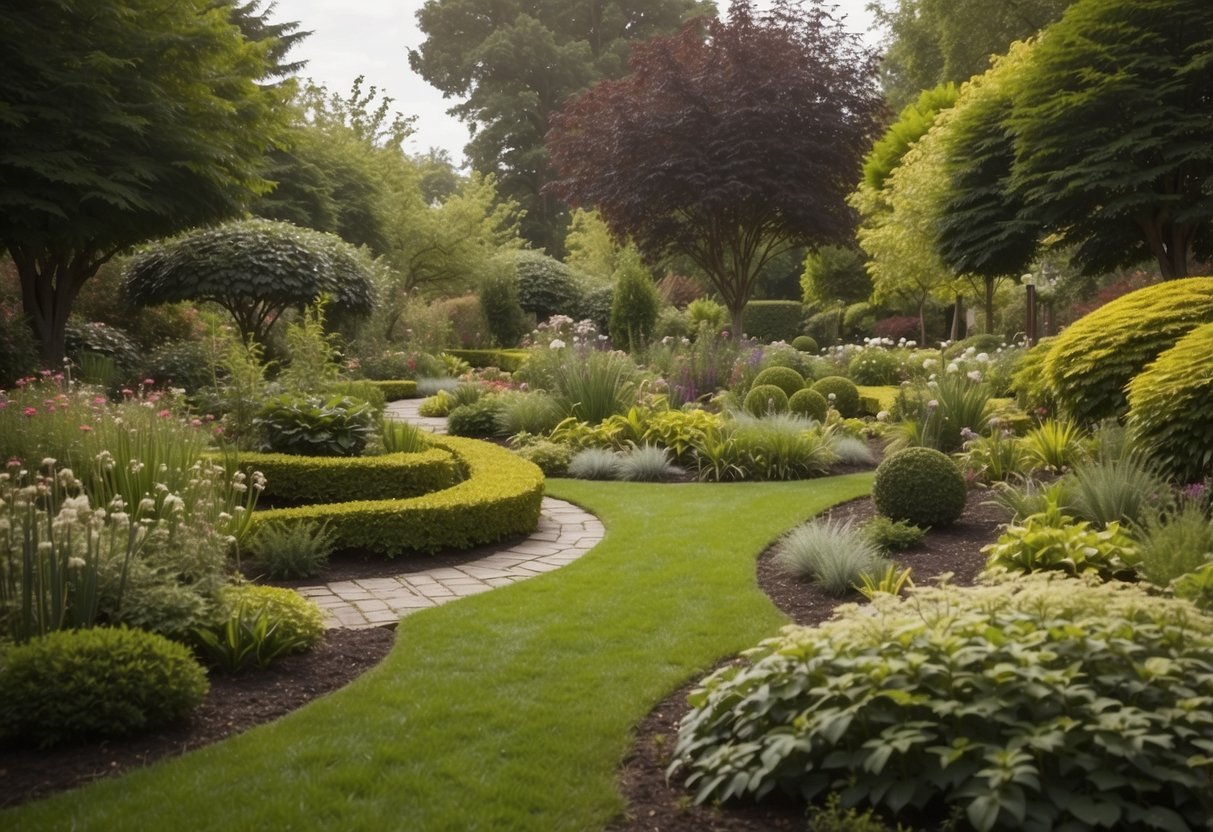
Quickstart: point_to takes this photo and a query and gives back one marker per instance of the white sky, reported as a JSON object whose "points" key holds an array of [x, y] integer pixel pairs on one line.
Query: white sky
{"points": [[372, 38]]}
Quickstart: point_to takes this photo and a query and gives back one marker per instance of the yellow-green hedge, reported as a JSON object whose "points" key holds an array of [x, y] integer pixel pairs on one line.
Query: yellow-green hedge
{"points": [[500, 498], [396, 389], [330, 479], [1091, 362]]}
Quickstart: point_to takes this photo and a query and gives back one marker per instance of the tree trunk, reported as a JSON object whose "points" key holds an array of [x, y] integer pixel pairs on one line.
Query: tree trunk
{"points": [[50, 282], [989, 305], [957, 310], [922, 322], [735, 317]]}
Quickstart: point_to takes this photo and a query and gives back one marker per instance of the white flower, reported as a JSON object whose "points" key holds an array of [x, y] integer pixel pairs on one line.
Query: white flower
{"points": [[882, 416], [75, 563], [975, 375], [953, 367], [556, 344], [932, 404], [982, 357], [928, 363]]}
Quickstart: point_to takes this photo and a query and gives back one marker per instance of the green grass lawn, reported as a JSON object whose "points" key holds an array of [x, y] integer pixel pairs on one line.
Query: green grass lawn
{"points": [[508, 710]]}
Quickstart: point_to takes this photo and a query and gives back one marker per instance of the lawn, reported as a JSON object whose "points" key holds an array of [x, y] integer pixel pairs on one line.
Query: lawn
{"points": [[509, 710]]}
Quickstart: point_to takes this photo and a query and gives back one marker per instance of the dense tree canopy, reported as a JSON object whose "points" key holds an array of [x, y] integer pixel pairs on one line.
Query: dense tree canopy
{"points": [[931, 42], [516, 62], [729, 142], [120, 121]]}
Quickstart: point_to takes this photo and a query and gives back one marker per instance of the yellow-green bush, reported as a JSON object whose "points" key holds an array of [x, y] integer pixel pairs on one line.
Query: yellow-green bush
{"points": [[1090, 363], [320, 479], [500, 498], [1171, 406], [396, 388]]}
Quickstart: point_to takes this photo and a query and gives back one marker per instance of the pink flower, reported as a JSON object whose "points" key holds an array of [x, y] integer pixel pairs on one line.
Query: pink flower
{"points": [[126, 391], [163, 414], [86, 428], [31, 411], [149, 381], [98, 399], [195, 423]]}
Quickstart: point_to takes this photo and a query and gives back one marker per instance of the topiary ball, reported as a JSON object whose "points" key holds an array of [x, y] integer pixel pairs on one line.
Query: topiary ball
{"points": [[921, 486], [74, 685], [805, 343], [785, 378], [844, 391], [766, 398], [808, 402]]}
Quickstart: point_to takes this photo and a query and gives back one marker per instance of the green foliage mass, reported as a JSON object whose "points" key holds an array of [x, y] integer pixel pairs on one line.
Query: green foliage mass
{"points": [[805, 343], [765, 398], [75, 685], [810, 403], [315, 425], [845, 394], [546, 287], [912, 124], [1090, 363], [499, 301], [1171, 406], [921, 486], [785, 378], [256, 625], [875, 367], [772, 320], [1040, 704], [634, 304], [479, 418], [1050, 541]]}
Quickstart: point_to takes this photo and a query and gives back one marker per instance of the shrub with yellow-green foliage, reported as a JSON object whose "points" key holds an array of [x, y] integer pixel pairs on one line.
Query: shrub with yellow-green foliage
{"points": [[322, 479], [1090, 363], [500, 498], [1171, 406], [1046, 703], [394, 389]]}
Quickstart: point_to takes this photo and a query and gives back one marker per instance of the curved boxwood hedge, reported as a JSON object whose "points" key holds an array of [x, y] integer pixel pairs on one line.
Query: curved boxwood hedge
{"points": [[500, 498], [321, 479], [1171, 406], [393, 389], [1092, 361]]}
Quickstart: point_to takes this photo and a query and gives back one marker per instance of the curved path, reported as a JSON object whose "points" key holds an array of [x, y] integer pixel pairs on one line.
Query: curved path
{"points": [[565, 533]]}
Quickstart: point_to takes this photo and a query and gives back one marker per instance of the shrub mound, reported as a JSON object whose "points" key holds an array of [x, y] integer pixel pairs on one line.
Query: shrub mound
{"points": [[765, 398], [1043, 704], [74, 685], [846, 394], [921, 486], [478, 418], [772, 320], [1091, 362], [805, 343], [324, 479], [875, 367], [297, 620], [1171, 407], [808, 402], [785, 378]]}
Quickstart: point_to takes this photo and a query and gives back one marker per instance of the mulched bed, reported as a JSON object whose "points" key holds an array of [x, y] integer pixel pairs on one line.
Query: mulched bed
{"points": [[237, 703]]}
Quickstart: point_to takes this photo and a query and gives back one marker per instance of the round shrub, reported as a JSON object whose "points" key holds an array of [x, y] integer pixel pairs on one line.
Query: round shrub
{"points": [[295, 619], [552, 457], [785, 378], [921, 486], [1094, 698], [805, 343], [546, 287], [478, 419], [765, 398], [1171, 407], [315, 425], [1093, 360], [74, 685], [808, 402], [875, 366], [844, 391]]}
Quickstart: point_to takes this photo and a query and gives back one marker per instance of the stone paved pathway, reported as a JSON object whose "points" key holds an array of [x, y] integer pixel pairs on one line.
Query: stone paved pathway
{"points": [[565, 533]]}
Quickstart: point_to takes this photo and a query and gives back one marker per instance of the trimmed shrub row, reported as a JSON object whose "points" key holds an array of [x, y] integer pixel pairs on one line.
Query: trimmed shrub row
{"points": [[397, 388], [500, 498], [508, 360], [321, 479]]}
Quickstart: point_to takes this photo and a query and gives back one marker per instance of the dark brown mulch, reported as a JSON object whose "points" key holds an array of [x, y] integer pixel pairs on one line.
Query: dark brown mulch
{"points": [[238, 703]]}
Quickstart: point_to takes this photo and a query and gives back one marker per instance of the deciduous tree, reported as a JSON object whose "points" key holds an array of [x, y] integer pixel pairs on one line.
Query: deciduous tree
{"points": [[729, 142]]}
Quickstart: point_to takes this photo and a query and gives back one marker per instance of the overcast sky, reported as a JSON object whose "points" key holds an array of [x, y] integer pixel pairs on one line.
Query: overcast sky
{"points": [[372, 38]]}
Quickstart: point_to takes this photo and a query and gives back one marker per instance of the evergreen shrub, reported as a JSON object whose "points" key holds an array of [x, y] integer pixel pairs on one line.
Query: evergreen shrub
{"points": [[808, 402], [765, 398], [845, 393], [772, 320], [785, 378], [805, 343], [921, 486]]}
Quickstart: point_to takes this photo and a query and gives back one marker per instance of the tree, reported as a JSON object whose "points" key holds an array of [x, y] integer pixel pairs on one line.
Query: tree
{"points": [[1113, 133], [835, 273], [122, 121], [932, 42], [634, 304], [516, 62], [255, 269], [729, 142]]}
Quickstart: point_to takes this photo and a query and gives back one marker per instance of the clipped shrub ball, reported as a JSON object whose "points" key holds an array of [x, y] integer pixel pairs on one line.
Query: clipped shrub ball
{"points": [[765, 398], [1096, 696], [74, 685], [785, 378], [846, 394], [296, 618], [808, 402], [1171, 407], [1093, 360], [805, 343], [921, 486]]}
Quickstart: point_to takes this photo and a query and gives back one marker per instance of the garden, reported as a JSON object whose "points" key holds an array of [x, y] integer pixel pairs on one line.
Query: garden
{"points": [[888, 539]]}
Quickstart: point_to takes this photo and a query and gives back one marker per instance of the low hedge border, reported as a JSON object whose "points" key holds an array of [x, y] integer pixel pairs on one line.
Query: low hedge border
{"points": [[403, 388], [500, 498], [329, 479], [508, 360]]}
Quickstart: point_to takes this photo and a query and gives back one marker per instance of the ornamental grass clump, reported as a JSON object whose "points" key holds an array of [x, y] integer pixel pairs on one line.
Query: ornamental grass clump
{"points": [[830, 553], [781, 447], [594, 464], [1044, 703], [646, 464]]}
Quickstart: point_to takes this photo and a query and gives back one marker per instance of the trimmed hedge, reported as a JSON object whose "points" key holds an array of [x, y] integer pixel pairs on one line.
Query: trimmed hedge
{"points": [[322, 479], [785, 378], [500, 498], [508, 360], [1092, 361], [393, 389], [772, 320], [1171, 406]]}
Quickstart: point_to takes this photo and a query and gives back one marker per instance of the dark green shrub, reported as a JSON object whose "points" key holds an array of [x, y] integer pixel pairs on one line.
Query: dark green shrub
{"points": [[808, 402], [875, 366], [546, 286], [478, 419], [502, 310], [74, 685], [596, 306], [785, 378], [1171, 407], [185, 364], [858, 320], [18, 349], [841, 393], [315, 425], [634, 304], [892, 535], [102, 339], [765, 398], [256, 625], [671, 323], [772, 320], [1049, 704], [367, 391], [805, 343], [825, 327], [551, 457], [921, 486], [508, 360], [292, 550], [1093, 360]]}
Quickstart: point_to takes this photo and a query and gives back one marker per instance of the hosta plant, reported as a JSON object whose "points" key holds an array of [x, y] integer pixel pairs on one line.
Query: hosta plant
{"points": [[1045, 703], [1054, 541], [315, 425]]}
